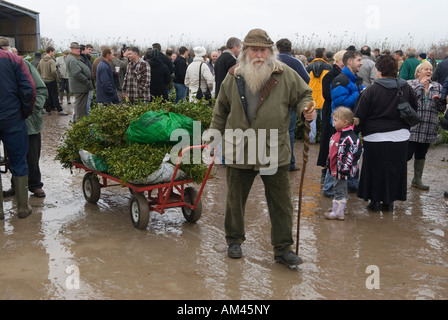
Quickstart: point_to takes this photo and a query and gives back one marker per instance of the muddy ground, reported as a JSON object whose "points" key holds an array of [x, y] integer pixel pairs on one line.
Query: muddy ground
{"points": [[69, 249]]}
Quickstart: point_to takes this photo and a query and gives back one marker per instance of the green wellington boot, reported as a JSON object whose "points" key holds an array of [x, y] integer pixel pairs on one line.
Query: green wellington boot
{"points": [[21, 187], [418, 173]]}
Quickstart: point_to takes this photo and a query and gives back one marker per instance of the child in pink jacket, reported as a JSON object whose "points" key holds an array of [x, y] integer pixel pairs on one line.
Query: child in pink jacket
{"points": [[345, 152]]}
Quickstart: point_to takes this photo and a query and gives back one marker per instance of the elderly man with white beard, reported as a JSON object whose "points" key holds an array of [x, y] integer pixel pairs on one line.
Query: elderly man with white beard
{"points": [[252, 115]]}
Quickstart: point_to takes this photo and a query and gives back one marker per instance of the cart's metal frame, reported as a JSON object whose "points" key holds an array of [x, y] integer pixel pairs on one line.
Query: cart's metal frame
{"points": [[169, 195]]}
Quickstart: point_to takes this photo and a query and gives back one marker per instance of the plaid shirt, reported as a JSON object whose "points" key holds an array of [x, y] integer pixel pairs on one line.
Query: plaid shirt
{"points": [[136, 84], [428, 110]]}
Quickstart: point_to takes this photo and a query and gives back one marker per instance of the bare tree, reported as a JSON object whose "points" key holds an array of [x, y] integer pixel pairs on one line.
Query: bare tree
{"points": [[46, 42]]}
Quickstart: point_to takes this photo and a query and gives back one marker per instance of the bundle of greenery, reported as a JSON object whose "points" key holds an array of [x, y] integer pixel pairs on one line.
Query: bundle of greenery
{"points": [[104, 134]]}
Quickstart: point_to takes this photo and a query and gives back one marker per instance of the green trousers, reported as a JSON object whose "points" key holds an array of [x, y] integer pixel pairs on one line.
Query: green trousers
{"points": [[278, 197]]}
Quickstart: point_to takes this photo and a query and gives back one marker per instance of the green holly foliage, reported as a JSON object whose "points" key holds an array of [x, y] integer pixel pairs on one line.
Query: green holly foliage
{"points": [[103, 133]]}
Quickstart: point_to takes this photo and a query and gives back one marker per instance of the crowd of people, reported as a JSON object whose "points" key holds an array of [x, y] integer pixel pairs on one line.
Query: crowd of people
{"points": [[257, 84]]}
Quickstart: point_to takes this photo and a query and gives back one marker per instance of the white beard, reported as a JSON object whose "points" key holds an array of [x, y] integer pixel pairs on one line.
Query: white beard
{"points": [[256, 76]]}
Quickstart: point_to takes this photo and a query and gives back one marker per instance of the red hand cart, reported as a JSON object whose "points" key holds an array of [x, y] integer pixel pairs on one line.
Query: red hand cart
{"points": [[168, 195]]}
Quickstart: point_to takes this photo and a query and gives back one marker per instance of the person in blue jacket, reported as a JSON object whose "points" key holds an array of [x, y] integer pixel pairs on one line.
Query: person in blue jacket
{"points": [[347, 86], [444, 96], [284, 46], [18, 93], [106, 92]]}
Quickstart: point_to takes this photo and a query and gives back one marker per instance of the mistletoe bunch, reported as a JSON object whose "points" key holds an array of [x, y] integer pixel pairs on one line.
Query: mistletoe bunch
{"points": [[103, 133]]}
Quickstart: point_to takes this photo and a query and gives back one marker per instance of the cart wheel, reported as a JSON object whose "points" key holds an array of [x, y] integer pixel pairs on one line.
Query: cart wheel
{"points": [[91, 188], [190, 197], [139, 211]]}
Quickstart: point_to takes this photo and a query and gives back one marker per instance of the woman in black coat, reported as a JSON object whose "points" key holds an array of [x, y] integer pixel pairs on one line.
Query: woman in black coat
{"points": [[385, 137], [327, 127], [160, 74]]}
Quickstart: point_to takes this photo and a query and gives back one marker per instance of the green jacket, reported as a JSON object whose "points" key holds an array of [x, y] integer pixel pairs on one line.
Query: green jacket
{"points": [[407, 70], [79, 75], [285, 90], [35, 122]]}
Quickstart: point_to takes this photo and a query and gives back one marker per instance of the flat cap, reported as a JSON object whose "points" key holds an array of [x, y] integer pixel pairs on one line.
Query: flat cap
{"points": [[75, 45]]}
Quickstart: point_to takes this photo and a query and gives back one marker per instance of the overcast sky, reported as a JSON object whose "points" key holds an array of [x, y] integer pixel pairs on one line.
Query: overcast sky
{"points": [[212, 22]]}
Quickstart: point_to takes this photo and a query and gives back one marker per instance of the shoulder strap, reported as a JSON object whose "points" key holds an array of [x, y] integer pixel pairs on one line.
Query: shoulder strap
{"points": [[241, 90], [400, 93], [200, 74]]}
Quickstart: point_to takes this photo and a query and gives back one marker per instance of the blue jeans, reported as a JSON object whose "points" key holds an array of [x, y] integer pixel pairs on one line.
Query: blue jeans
{"points": [[292, 131], [89, 102], [181, 91], [327, 189], [313, 132], [16, 143], [340, 189], [353, 183]]}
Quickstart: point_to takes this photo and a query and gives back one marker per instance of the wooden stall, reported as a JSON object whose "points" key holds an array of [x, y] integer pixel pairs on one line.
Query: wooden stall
{"points": [[20, 24]]}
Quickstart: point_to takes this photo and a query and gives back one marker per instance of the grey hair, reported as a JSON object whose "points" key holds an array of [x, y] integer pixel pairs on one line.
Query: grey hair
{"points": [[233, 42], [410, 52]]}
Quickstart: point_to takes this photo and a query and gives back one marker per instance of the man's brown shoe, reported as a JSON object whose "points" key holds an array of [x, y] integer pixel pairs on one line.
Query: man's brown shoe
{"points": [[9, 193], [39, 193]]}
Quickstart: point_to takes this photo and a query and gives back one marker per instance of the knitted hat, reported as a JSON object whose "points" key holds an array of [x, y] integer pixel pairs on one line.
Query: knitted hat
{"points": [[258, 38], [4, 42], [422, 55], [199, 51], [75, 45]]}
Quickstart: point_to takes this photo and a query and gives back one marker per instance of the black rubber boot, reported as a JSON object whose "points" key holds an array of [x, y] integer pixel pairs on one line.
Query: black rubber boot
{"points": [[289, 259], [374, 206], [234, 251], [388, 207]]}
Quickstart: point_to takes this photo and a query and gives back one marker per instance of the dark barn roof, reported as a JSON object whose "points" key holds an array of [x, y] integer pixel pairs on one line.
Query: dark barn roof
{"points": [[21, 24], [11, 9]]}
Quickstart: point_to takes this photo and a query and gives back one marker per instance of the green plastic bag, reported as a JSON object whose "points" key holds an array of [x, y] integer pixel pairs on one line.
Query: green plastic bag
{"points": [[156, 127]]}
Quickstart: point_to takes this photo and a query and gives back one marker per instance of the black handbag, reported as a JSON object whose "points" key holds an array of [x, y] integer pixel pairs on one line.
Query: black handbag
{"points": [[199, 95], [407, 113]]}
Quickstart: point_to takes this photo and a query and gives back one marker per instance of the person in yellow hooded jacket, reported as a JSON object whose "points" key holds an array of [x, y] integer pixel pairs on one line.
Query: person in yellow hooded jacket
{"points": [[317, 69]]}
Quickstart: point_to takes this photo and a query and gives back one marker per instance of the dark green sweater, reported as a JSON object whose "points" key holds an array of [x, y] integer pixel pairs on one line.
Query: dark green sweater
{"points": [[407, 71]]}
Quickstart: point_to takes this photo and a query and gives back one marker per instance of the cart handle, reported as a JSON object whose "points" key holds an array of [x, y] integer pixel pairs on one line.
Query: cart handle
{"points": [[173, 178]]}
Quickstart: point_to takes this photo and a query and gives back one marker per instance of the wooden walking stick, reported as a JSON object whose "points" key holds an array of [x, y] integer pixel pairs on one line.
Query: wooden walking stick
{"points": [[306, 147]]}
